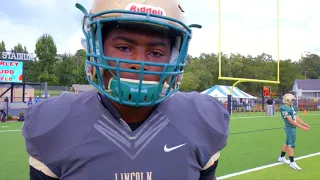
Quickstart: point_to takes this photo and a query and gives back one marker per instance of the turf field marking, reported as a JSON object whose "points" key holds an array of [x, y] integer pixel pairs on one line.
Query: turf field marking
{"points": [[243, 117], [4, 126], [15, 130], [263, 167]]}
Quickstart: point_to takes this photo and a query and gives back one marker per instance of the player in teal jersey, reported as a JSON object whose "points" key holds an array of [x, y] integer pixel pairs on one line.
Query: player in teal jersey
{"points": [[292, 121]]}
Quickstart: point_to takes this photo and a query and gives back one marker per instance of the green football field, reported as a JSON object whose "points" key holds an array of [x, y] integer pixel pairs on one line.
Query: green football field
{"points": [[255, 141]]}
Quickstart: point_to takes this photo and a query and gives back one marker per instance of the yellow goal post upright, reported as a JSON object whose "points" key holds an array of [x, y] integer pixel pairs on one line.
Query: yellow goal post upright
{"points": [[239, 80]]}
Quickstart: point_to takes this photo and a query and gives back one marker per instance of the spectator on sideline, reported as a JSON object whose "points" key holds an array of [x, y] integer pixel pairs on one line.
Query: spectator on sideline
{"points": [[6, 99], [269, 106], [248, 105], [30, 101], [37, 99], [3, 115], [6, 104], [273, 106]]}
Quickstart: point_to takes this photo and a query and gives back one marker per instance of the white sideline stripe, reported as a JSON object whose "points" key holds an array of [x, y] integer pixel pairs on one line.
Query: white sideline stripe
{"points": [[263, 167], [10, 130], [243, 117]]}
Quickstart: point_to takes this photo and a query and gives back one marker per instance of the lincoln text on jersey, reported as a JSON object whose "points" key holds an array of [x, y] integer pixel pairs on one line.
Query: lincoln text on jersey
{"points": [[133, 176]]}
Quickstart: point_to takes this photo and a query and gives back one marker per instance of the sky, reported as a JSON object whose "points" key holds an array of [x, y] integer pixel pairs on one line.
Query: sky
{"points": [[247, 26]]}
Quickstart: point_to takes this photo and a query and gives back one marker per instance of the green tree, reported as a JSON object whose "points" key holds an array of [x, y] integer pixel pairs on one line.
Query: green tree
{"points": [[310, 65], [70, 69], [63, 69], [289, 72], [78, 72], [46, 51], [19, 49], [2, 46], [202, 72]]}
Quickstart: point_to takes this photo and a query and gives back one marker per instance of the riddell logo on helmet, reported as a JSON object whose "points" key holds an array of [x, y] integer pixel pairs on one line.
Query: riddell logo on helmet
{"points": [[146, 9]]}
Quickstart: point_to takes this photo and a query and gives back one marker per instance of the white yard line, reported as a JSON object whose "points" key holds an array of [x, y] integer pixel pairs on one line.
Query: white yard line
{"points": [[15, 130], [243, 117], [263, 167]]}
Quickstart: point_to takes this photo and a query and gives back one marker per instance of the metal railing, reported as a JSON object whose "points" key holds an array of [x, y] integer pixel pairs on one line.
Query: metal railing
{"points": [[258, 105]]}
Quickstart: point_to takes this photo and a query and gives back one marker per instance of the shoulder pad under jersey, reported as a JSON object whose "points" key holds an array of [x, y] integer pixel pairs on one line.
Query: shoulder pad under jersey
{"points": [[286, 108], [52, 127], [201, 118]]}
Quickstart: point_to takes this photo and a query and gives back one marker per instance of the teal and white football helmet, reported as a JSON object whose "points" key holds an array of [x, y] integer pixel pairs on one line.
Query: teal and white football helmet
{"points": [[167, 16]]}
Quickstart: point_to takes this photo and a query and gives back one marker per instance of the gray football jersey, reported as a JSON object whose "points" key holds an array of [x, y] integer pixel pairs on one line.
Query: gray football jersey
{"points": [[76, 137]]}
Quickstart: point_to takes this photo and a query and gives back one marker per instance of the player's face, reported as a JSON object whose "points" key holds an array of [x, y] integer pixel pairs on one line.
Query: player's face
{"points": [[137, 45]]}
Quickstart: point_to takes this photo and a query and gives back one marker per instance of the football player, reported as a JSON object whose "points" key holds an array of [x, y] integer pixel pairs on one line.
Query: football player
{"points": [[292, 121], [136, 124]]}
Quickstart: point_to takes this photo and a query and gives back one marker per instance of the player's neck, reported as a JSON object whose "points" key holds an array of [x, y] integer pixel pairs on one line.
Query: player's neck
{"points": [[133, 114]]}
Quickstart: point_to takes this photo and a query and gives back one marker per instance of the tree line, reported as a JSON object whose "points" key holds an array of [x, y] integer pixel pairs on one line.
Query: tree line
{"points": [[201, 72]]}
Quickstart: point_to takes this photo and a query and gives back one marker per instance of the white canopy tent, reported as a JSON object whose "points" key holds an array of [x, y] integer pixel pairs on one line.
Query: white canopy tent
{"points": [[221, 92]]}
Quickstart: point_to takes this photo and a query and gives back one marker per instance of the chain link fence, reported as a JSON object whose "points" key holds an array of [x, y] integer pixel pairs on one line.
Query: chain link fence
{"points": [[256, 105]]}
